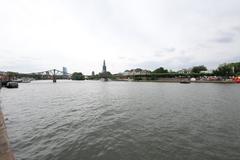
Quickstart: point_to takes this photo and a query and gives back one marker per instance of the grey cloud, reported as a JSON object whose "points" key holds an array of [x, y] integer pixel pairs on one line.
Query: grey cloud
{"points": [[79, 32], [164, 51], [225, 38], [236, 29]]}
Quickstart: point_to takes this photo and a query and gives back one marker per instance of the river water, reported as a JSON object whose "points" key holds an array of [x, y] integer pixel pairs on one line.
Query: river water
{"points": [[88, 120]]}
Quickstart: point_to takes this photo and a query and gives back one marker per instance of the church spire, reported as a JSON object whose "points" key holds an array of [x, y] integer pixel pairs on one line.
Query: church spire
{"points": [[104, 67]]}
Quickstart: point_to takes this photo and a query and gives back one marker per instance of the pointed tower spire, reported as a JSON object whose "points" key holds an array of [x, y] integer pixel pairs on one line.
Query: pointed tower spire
{"points": [[104, 67]]}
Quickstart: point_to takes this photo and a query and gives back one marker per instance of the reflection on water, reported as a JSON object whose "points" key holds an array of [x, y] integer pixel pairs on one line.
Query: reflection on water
{"points": [[73, 120]]}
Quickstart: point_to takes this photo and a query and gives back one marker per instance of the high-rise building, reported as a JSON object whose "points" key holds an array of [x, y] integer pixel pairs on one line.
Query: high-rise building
{"points": [[65, 71], [104, 70]]}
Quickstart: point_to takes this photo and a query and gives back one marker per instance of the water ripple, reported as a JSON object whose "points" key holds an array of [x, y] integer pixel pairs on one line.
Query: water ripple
{"points": [[119, 120]]}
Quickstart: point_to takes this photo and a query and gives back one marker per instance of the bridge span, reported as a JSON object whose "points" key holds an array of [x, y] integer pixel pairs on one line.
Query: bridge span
{"points": [[53, 74]]}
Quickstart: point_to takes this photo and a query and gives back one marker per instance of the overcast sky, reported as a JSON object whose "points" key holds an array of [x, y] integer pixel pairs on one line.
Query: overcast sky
{"points": [[37, 35]]}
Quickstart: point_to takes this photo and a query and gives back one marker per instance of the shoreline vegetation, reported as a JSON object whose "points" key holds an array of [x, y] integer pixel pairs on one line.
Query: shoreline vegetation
{"points": [[177, 81]]}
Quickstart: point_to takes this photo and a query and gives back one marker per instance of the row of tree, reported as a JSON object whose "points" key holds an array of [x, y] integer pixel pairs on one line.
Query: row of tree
{"points": [[195, 69], [227, 69], [224, 70], [78, 76]]}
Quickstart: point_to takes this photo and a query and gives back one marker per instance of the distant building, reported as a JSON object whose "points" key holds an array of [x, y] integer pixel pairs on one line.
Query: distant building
{"points": [[1, 77], [93, 73], [65, 73], [182, 71], [208, 71], [2, 73], [104, 69]]}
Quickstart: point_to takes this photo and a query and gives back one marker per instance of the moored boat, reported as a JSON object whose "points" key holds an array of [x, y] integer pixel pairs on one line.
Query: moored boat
{"points": [[12, 85], [185, 81], [17, 80]]}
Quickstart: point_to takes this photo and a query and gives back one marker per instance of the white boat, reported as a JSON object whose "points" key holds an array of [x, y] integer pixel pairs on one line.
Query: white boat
{"points": [[26, 80]]}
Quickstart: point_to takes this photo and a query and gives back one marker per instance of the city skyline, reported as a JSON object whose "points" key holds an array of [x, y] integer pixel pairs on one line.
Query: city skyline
{"points": [[40, 35]]}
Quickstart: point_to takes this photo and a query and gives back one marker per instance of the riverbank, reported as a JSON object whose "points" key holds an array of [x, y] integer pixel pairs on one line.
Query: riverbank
{"points": [[177, 81], [5, 150]]}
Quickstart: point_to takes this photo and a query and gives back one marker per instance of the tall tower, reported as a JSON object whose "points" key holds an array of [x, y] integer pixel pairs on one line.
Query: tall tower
{"points": [[104, 70], [64, 71]]}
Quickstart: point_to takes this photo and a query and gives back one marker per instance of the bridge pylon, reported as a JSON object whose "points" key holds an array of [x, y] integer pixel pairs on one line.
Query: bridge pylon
{"points": [[54, 76]]}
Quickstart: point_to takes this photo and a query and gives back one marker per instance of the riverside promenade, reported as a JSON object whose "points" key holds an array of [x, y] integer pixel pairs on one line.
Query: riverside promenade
{"points": [[5, 150]]}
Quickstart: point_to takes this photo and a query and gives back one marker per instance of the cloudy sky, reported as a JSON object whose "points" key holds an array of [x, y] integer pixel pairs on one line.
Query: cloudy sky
{"points": [[37, 35]]}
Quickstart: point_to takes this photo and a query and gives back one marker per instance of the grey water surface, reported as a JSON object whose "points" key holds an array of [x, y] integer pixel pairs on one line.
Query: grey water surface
{"points": [[88, 120]]}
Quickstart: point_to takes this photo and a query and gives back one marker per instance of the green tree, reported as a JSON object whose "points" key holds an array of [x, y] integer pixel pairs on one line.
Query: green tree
{"points": [[235, 67], [77, 76], [198, 69], [160, 70], [224, 70]]}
